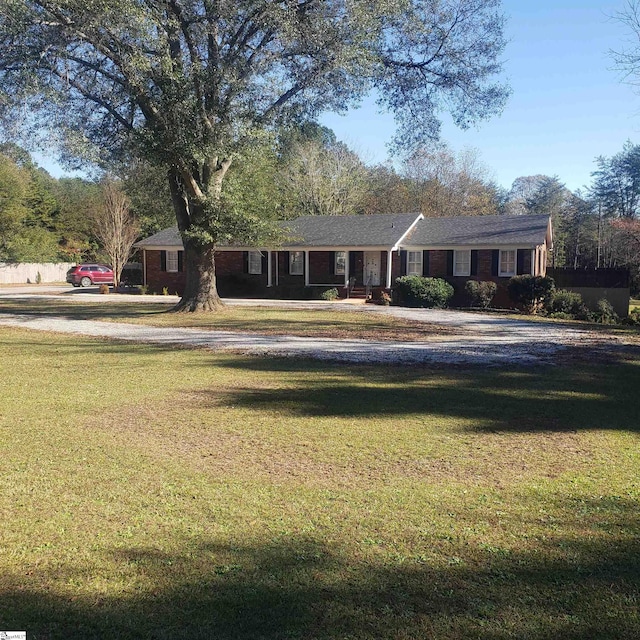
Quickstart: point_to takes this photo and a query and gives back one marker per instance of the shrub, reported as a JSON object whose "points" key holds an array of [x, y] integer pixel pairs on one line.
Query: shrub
{"points": [[568, 303], [104, 288], [416, 291], [481, 293], [633, 318], [143, 288], [605, 313], [561, 315], [329, 294], [384, 299], [530, 292]]}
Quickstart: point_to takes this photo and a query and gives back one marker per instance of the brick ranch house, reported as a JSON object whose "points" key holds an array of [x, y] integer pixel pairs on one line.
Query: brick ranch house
{"points": [[358, 254]]}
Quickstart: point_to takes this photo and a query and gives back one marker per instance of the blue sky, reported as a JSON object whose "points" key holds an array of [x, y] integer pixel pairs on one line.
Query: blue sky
{"points": [[568, 104]]}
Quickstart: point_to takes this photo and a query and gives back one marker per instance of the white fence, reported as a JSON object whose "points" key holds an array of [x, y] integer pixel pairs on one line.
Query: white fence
{"points": [[33, 272]]}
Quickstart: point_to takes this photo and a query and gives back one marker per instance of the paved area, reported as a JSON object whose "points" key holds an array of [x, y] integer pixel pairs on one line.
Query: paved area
{"points": [[483, 339]]}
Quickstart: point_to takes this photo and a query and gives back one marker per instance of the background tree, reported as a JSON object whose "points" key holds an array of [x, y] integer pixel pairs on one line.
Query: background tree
{"points": [[324, 179], [115, 227], [186, 84], [616, 182], [14, 185], [388, 192], [443, 183]]}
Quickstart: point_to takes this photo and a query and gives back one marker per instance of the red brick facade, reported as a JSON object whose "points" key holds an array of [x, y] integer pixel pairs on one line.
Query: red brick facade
{"points": [[234, 279], [158, 278]]}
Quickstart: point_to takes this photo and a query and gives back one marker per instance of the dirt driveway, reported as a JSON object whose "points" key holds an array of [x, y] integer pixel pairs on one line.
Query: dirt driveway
{"points": [[489, 340]]}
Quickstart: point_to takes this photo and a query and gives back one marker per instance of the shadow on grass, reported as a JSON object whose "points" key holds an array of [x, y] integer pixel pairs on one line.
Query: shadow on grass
{"points": [[582, 396], [303, 588], [82, 311]]}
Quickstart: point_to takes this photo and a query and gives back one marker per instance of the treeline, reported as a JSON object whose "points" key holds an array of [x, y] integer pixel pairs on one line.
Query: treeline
{"points": [[307, 171]]}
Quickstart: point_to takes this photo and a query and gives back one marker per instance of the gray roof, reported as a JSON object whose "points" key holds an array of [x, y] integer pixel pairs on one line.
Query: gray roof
{"points": [[387, 230], [166, 238], [528, 230], [321, 231], [348, 231]]}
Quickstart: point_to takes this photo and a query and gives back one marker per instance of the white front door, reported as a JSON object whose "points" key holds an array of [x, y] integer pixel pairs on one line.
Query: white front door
{"points": [[372, 268]]}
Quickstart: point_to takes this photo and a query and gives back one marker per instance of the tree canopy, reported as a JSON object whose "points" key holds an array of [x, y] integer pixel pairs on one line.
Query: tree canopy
{"points": [[190, 85]]}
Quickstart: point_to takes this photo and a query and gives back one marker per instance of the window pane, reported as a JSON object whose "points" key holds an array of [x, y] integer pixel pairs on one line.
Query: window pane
{"points": [[296, 263], [255, 262], [172, 261], [414, 263], [507, 262], [461, 263], [341, 258]]}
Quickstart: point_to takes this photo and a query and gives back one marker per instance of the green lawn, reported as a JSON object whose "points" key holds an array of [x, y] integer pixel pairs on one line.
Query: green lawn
{"points": [[163, 493]]}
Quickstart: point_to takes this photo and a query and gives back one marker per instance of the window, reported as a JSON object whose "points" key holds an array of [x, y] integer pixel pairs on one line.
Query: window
{"points": [[172, 261], [255, 262], [462, 263], [414, 263], [340, 262], [296, 263], [507, 262]]}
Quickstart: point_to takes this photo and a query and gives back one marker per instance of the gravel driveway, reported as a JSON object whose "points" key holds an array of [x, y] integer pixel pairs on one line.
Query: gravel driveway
{"points": [[483, 339]]}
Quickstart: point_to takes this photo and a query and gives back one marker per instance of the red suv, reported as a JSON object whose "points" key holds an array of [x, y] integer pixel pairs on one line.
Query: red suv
{"points": [[84, 275]]}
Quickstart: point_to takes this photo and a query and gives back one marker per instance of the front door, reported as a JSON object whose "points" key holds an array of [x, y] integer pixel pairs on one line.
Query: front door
{"points": [[372, 268]]}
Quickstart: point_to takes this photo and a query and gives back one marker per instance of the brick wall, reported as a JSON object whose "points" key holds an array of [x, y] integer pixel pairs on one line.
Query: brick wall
{"points": [[321, 267], [157, 279]]}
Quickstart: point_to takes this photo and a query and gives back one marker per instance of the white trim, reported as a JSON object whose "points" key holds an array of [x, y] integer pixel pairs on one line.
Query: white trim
{"points": [[306, 268], [389, 265], [406, 233], [269, 269], [508, 274], [472, 247], [466, 272]]}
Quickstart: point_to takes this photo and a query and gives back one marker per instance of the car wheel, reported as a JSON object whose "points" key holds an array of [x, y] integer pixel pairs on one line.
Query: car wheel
{"points": [[85, 282]]}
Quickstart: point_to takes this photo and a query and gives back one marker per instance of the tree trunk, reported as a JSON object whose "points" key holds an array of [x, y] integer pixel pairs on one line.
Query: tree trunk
{"points": [[200, 293]]}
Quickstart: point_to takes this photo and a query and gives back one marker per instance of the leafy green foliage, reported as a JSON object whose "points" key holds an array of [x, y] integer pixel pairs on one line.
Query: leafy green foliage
{"points": [[329, 294], [530, 292], [568, 303], [604, 313], [188, 86], [416, 291], [480, 293]]}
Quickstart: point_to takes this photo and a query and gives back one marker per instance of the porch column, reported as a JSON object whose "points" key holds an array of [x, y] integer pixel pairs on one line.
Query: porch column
{"points": [[533, 269], [269, 270], [144, 267], [306, 268], [389, 261], [346, 269]]}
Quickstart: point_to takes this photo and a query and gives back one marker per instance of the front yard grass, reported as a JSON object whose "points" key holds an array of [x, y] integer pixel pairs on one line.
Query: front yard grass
{"points": [[162, 493]]}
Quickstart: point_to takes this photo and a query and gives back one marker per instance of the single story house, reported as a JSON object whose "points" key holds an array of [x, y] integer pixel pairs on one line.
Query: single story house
{"points": [[364, 254]]}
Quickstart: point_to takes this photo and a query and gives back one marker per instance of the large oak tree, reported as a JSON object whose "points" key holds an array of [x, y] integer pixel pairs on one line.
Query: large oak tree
{"points": [[189, 85]]}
